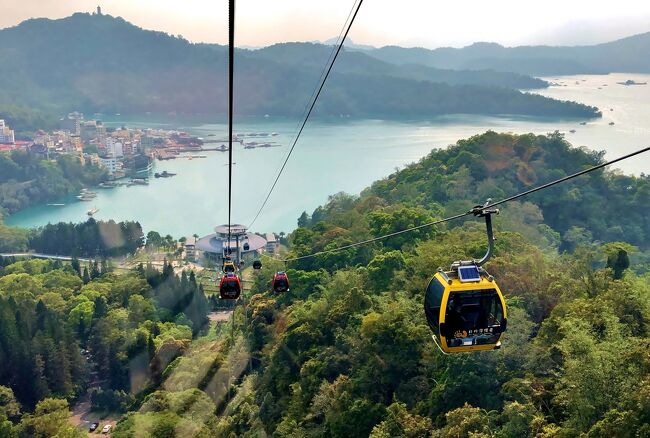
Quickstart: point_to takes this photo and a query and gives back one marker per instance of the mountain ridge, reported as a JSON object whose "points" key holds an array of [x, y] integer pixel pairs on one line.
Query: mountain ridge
{"points": [[621, 55], [100, 63]]}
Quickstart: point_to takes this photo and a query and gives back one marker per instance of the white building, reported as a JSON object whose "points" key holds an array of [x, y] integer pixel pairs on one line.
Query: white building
{"points": [[214, 246], [6, 134], [114, 148], [111, 164]]}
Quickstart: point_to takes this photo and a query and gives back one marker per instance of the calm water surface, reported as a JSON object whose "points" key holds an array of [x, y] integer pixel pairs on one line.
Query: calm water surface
{"points": [[334, 156]]}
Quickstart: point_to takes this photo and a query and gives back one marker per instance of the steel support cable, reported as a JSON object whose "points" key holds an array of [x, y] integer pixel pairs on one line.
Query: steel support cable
{"points": [[566, 178], [324, 69], [311, 108], [320, 78], [231, 71], [473, 211]]}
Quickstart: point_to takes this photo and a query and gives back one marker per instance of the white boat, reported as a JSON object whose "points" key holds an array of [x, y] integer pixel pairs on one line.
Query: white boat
{"points": [[86, 195], [92, 211]]}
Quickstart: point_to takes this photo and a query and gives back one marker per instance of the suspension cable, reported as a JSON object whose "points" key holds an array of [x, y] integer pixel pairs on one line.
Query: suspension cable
{"points": [[324, 69], [375, 239], [320, 77], [231, 70], [566, 178], [311, 108], [474, 210]]}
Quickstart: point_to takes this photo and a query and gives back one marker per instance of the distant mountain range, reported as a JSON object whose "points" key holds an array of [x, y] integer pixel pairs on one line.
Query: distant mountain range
{"points": [[99, 63], [627, 55]]}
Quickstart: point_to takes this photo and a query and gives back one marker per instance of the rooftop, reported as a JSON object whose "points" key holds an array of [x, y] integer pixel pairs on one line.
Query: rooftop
{"points": [[214, 243], [234, 229]]}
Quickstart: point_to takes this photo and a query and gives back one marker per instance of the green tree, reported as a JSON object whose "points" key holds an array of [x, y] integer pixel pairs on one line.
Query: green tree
{"points": [[382, 268], [86, 276], [76, 266], [9, 407], [50, 419], [618, 259], [399, 423]]}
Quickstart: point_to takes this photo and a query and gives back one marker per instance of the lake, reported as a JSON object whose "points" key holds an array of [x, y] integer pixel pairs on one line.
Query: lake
{"points": [[334, 156]]}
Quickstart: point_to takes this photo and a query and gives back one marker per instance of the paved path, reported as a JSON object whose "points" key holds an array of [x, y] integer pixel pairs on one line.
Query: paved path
{"points": [[82, 417], [219, 315]]}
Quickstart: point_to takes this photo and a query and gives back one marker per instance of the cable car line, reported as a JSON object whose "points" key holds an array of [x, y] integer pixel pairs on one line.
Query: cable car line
{"points": [[375, 239], [230, 285], [566, 178], [320, 78], [476, 211], [324, 69], [311, 108], [231, 71]]}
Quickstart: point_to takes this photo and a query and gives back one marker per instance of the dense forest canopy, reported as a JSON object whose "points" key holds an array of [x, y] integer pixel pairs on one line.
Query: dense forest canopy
{"points": [[60, 330], [22, 119], [88, 239], [499, 165], [452, 180], [347, 353], [98, 63]]}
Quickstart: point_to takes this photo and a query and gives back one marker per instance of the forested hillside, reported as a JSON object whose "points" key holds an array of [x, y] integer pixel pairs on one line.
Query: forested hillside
{"points": [[347, 353], [309, 55], [62, 330], [23, 119], [27, 178], [98, 63]]}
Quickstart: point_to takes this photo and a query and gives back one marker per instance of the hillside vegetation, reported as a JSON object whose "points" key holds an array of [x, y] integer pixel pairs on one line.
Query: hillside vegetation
{"points": [[347, 352], [62, 331], [27, 178], [22, 119]]}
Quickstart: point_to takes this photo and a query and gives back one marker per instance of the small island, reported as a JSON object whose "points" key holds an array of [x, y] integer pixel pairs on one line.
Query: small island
{"points": [[631, 82]]}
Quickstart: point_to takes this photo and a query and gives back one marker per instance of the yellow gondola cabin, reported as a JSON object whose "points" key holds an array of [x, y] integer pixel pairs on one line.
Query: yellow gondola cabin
{"points": [[464, 306], [465, 315]]}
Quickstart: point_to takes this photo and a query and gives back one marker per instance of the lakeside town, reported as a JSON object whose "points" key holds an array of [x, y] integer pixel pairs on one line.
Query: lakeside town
{"points": [[127, 156], [122, 152]]}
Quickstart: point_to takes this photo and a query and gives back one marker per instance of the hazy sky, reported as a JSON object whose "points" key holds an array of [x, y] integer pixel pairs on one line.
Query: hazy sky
{"points": [[428, 23]]}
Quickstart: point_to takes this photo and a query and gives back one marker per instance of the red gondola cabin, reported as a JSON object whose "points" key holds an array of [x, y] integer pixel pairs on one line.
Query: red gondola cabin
{"points": [[280, 282], [230, 287]]}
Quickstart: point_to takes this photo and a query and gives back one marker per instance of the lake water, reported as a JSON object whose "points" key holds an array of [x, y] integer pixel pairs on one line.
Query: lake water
{"points": [[333, 156]]}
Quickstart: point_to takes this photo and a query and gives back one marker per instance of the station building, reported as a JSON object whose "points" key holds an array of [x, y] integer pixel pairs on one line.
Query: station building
{"points": [[243, 245]]}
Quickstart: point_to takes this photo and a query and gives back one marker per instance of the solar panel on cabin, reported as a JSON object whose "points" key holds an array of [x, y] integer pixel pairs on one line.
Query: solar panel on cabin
{"points": [[468, 273]]}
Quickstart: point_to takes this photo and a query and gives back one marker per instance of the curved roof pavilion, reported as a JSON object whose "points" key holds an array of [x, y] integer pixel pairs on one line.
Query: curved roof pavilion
{"points": [[215, 242]]}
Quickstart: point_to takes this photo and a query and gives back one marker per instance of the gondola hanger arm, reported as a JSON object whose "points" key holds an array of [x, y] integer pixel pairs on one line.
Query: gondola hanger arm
{"points": [[486, 211]]}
